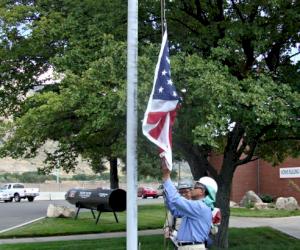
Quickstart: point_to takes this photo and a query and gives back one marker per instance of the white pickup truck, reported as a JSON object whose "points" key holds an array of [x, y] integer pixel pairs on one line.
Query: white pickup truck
{"points": [[16, 192]]}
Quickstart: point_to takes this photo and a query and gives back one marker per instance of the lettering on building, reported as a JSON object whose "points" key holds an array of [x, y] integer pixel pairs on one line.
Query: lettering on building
{"points": [[289, 172]]}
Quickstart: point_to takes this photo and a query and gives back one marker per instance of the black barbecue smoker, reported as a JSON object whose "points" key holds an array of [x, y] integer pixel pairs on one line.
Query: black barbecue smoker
{"points": [[101, 200]]}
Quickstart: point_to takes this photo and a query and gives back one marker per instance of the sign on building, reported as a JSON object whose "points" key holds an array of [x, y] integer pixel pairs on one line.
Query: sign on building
{"points": [[289, 172]]}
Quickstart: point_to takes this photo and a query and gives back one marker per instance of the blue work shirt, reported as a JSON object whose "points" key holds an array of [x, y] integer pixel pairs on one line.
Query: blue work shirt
{"points": [[196, 215]]}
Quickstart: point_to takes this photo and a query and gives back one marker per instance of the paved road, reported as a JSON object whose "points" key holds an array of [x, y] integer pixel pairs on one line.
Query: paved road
{"points": [[13, 214]]}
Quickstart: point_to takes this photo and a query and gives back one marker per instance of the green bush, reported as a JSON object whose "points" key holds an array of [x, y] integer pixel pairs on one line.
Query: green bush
{"points": [[250, 204], [26, 177], [84, 177], [267, 198], [104, 176], [9, 177]]}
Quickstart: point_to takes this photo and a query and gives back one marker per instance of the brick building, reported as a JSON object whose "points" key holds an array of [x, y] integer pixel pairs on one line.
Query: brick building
{"points": [[261, 177]]}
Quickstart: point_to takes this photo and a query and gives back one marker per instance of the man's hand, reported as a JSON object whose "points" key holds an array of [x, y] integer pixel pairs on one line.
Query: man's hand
{"points": [[166, 173]]}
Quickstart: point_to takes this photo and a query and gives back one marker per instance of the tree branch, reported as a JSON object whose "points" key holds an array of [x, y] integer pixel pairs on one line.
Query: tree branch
{"points": [[221, 10], [249, 155], [196, 156], [249, 53], [201, 13], [234, 138], [204, 157], [252, 146], [185, 25], [199, 16], [238, 11], [253, 14], [294, 55], [272, 59], [241, 148]]}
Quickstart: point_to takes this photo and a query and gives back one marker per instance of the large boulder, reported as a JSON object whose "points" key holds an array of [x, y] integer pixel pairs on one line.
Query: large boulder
{"points": [[287, 203], [233, 204], [56, 211], [261, 205], [250, 198]]}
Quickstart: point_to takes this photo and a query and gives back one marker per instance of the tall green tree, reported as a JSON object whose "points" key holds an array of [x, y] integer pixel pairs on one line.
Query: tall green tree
{"points": [[85, 111], [233, 59]]}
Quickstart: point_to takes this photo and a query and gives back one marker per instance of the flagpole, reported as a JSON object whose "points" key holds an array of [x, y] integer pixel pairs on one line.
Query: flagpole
{"points": [[131, 141], [162, 16]]}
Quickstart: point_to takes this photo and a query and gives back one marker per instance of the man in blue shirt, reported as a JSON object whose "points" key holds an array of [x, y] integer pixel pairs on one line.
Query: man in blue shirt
{"points": [[172, 223], [196, 214]]}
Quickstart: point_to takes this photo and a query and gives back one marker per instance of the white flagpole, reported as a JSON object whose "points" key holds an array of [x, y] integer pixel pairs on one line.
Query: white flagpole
{"points": [[131, 162]]}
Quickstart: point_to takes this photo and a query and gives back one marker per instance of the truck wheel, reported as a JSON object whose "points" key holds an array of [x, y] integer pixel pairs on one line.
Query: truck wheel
{"points": [[144, 197], [30, 199], [17, 198]]}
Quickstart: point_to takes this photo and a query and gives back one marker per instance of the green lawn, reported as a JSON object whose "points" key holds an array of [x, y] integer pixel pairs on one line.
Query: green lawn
{"points": [[269, 213], [149, 217], [239, 239]]}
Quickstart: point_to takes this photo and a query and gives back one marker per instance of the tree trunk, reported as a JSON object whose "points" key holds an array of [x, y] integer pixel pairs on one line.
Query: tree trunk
{"points": [[194, 159], [194, 163], [223, 202], [221, 240], [114, 180]]}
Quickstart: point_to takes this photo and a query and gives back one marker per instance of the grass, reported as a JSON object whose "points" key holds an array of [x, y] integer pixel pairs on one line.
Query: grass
{"points": [[268, 213], [239, 239], [262, 238], [149, 217]]}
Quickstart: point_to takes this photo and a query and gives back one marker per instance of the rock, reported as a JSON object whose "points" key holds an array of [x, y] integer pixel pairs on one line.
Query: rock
{"points": [[287, 203], [233, 204], [261, 205], [56, 211], [250, 198]]}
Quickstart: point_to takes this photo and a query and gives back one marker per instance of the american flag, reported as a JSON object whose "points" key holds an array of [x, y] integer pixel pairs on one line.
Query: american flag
{"points": [[163, 102]]}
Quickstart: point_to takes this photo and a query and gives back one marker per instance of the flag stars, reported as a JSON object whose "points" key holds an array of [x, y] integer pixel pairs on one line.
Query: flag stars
{"points": [[168, 60], [161, 89], [174, 93], [170, 82], [164, 72]]}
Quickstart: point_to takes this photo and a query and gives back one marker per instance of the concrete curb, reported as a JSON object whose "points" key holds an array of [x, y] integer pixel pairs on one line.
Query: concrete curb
{"points": [[48, 196]]}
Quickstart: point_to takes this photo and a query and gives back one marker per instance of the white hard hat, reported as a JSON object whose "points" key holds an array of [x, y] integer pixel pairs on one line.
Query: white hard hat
{"points": [[209, 182]]}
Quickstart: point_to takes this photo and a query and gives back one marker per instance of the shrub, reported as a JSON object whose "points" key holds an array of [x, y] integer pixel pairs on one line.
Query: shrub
{"points": [[84, 177], [267, 198], [250, 204], [26, 177]]}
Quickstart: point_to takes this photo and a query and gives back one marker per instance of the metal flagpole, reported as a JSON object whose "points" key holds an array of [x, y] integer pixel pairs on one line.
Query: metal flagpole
{"points": [[131, 162], [162, 16]]}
